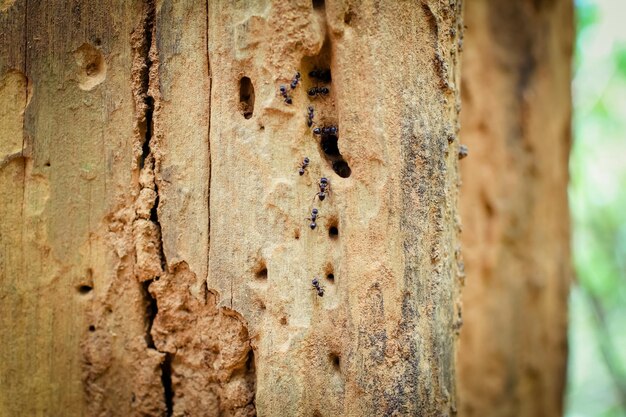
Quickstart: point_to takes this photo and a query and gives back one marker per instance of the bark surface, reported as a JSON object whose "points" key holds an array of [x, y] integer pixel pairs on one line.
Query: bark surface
{"points": [[516, 122], [155, 253]]}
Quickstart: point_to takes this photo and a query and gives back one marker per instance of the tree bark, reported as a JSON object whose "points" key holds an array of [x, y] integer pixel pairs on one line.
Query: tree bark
{"points": [[380, 341], [516, 122], [155, 253]]}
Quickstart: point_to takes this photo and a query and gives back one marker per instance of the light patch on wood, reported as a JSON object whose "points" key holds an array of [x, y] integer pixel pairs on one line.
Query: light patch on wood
{"points": [[92, 68]]}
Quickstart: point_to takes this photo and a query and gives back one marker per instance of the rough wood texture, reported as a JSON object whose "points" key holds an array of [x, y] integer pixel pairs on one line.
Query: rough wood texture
{"points": [[155, 256], [61, 250], [516, 122], [380, 341]]}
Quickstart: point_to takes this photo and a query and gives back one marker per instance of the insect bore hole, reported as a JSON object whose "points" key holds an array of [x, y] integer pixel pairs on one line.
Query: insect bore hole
{"points": [[342, 168], [261, 271], [318, 4], [92, 328], [246, 97], [330, 146], [85, 289], [330, 273], [335, 360], [333, 232]]}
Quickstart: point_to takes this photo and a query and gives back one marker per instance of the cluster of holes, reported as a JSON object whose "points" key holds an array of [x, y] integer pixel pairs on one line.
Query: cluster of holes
{"points": [[329, 144]]}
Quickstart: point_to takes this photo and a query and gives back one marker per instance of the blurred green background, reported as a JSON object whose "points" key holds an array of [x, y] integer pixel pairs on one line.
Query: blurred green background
{"points": [[596, 383]]}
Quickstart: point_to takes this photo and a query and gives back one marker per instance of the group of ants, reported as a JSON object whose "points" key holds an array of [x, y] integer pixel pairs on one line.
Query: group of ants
{"points": [[322, 75]]}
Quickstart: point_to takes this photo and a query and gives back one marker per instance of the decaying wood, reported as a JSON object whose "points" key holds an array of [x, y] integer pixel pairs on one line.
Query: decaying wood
{"points": [[380, 341], [516, 123], [156, 259]]}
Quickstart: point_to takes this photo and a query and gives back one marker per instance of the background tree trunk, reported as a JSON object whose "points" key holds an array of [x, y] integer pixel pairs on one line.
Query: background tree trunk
{"points": [[516, 121], [156, 259]]}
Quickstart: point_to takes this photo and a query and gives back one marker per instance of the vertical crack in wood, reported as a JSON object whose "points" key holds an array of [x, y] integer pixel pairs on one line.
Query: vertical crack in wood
{"points": [[25, 69], [208, 62], [148, 161]]}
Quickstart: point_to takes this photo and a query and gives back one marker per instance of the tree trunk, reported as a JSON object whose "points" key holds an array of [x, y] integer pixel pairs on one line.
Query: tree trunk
{"points": [[156, 256], [516, 122]]}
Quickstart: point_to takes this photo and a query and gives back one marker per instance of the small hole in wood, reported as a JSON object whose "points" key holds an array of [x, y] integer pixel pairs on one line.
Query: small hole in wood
{"points": [[347, 18], [335, 361], [318, 4], [330, 273], [261, 271], [333, 232], [342, 168], [283, 320], [329, 145], [246, 97], [92, 328], [85, 289]]}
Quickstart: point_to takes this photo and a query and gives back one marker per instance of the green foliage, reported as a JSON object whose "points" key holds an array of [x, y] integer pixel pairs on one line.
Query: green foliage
{"points": [[597, 373]]}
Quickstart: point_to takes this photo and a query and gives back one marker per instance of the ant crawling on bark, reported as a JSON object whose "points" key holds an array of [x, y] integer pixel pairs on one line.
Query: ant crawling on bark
{"points": [[295, 80], [318, 287], [310, 115], [318, 91], [303, 165], [313, 218], [283, 92], [463, 151], [324, 186], [326, 130]]}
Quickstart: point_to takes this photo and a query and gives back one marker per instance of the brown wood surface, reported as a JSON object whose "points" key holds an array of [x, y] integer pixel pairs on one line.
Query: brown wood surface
{"points": [[516, 122], [155, 256]]}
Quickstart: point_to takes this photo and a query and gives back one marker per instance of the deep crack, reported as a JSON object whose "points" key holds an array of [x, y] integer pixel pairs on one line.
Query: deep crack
{"points": [[148, 154]]}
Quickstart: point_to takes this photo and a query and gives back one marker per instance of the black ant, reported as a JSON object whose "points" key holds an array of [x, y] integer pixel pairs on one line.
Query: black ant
{"points": [[303, 165], [318, 287], [283, 92], [296, 79], [321, 74], [313, 218], [314, 91], [326, 130], [463, 151], [324, 189], [310, 115]]}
